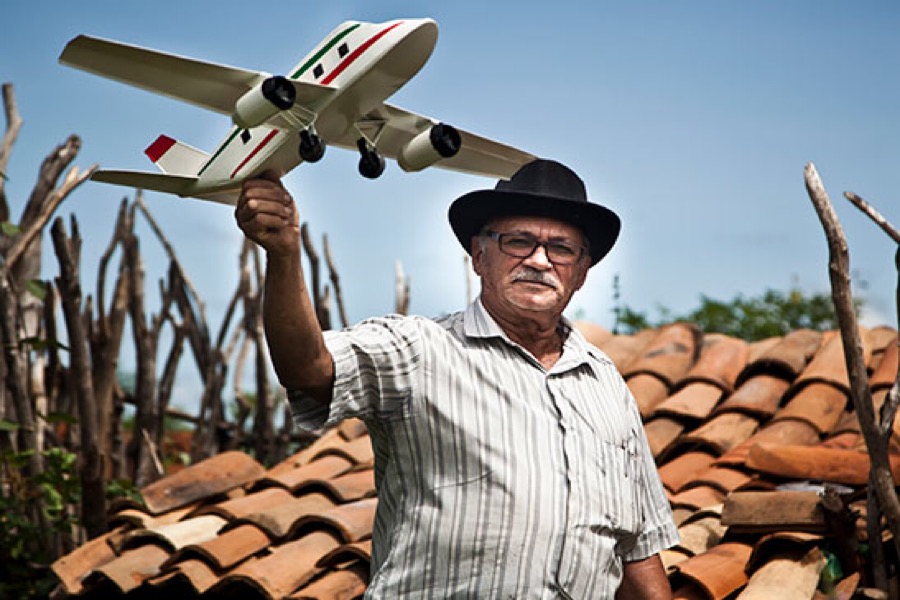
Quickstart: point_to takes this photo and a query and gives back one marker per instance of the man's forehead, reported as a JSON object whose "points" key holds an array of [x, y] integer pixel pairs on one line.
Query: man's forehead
{"points": [[547, 225]]}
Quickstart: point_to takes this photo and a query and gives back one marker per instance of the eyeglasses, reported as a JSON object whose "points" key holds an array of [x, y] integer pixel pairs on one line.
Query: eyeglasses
{"points": [[522, 245]]}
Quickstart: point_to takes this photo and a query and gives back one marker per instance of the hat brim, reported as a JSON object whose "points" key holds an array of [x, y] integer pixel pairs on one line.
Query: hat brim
{"points": [[471, 212]]}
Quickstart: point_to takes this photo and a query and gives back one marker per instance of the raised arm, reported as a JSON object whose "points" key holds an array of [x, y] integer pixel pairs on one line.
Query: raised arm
{"points": [[267, 214]]}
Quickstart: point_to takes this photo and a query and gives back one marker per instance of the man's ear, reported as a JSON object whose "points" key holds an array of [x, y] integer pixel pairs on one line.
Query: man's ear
{"points": [[477, 254]]}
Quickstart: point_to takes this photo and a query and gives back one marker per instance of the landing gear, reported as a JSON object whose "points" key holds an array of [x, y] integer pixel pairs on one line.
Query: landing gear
{"points": [[371, 164], [312, 147]]}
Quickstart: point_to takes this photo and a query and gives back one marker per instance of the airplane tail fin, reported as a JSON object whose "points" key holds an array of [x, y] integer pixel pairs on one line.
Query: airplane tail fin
{"points": [[176, 158]]}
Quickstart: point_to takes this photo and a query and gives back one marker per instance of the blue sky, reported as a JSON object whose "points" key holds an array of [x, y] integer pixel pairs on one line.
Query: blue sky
{"points": [[692, 119]]}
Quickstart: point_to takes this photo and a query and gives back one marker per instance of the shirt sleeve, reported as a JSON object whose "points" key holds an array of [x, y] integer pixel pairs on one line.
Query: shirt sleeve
{"points": [[375, 366], [658, 531]]}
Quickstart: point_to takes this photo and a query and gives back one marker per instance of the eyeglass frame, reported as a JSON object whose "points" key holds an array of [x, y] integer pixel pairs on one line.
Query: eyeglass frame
{"points": [[546, 245]]}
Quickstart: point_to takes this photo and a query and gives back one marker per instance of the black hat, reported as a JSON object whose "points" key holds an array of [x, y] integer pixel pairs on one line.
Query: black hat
{"points": [[542, 188]]}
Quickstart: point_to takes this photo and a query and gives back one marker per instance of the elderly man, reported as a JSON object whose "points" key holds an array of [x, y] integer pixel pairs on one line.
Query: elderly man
{"points": [[510, 459]]}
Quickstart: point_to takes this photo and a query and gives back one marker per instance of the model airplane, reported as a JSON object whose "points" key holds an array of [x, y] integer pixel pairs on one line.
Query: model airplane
{"points": [[334, 96]]}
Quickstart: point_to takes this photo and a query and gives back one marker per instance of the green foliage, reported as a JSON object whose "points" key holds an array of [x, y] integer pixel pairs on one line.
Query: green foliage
{"points": [[9, 229], [773, 313], [32, 513]]}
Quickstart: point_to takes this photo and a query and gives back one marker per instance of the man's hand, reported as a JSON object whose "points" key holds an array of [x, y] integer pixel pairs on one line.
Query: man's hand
{"points": [[266, 213]]}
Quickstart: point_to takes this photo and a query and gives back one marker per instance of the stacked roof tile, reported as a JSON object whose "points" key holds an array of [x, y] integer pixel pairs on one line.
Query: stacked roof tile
{"points": [[758, 448]]}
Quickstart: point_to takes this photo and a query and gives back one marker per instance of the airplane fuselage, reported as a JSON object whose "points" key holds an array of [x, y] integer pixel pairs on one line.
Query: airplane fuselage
{"points": [[364, 64]]}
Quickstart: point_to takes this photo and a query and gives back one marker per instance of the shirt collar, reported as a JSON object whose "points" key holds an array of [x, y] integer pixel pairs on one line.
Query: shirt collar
{"points": [[478, 323]]}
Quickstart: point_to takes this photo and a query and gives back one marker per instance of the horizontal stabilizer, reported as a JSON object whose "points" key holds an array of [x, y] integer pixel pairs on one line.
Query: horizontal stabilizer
{"points": [[171, 184], [176, 158]]}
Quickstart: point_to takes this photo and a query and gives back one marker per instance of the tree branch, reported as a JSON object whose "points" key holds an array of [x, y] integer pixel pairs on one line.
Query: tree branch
{"points": [[860, 394], [873, 214]]}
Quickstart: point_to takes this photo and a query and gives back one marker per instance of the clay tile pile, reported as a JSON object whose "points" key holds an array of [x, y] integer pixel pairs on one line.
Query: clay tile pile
{"points": [[758, 447]]}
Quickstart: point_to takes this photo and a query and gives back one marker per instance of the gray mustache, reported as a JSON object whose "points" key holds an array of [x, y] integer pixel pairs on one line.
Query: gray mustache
{"points": [[541, 277]]}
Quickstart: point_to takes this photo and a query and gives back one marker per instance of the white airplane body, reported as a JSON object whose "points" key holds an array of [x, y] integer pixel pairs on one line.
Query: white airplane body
{"points": [[334, 96]]}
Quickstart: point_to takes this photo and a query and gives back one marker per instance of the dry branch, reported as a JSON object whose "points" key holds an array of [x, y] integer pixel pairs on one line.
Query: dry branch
{"points": [[873, 214], [93, 495], [335, 282], [860, 394], [36, 224], [13, 125], [170, 252]]}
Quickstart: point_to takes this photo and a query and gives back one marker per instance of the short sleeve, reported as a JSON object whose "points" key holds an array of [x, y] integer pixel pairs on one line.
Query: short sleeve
{"points": [[376, 365]]}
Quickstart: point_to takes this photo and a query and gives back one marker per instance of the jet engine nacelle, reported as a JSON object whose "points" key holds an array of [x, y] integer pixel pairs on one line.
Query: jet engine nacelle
{"points": [[428, 147], [263, 102]]}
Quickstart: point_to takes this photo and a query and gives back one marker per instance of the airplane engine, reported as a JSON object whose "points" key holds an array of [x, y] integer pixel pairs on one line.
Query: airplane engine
{"points": [[263, 102], [428, 147]]}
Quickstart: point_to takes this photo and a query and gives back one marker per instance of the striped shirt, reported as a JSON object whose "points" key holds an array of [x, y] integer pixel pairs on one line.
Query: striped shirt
{"points": [[496, 477]]}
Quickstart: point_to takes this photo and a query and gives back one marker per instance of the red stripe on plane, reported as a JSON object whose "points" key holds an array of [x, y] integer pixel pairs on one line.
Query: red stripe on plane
{"points": [[356, 53], [255, 151], [159, 147]]}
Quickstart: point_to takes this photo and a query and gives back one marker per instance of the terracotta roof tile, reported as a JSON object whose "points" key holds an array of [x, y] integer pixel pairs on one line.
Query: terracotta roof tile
{"points": [[129, 570], [768, 511], [885, 374], [784, 357], [351, 521], [282, 572], [698, 535], [787, 431], [326, 467], [342, 584], [355, 485], [790, 576], [71, 568], [722, 432], [250, 503], [648, 390], [593, 333], [624, 349], [759, 395], [662, 432], [694, 401], [681, 470], [828, 365], [193, 574], [173, 536], [720, 570], [227, 549], [817, 463], [277, 521], [721, 359], [819, 404], [669, 355], [212, 476], [698, 497], [346, 553]]}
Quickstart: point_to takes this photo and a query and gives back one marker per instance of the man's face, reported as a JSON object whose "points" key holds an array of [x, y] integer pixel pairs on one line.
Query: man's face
{"points": [[532, 284]]}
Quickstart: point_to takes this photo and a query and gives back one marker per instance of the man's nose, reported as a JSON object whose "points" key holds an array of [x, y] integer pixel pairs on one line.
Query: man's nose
{"points": [[539, 258]]}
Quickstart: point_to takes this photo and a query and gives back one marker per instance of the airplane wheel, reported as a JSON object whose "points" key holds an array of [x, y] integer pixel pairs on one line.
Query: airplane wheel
{"points": [[371, 164], [312, 147]]}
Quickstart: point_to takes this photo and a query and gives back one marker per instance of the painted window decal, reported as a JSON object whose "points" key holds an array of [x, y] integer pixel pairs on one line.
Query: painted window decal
{"points": [[245, 136], [318, 71], [343, 50]]}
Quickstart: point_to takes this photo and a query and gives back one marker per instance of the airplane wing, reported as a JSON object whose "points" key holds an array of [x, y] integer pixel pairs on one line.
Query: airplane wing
{"points": [[170, 184], [392, 128], [207, 85]]}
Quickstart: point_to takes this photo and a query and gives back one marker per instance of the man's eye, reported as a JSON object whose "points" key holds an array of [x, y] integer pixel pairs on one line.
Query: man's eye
{"points": [[519, 243], [562, 249]]}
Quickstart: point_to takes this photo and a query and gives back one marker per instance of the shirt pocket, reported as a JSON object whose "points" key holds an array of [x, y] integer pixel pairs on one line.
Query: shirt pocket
{"points": [[616, 509]]}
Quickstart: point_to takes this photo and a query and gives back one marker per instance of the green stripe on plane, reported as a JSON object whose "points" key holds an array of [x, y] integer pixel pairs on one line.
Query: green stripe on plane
{"points": [[318, 55], [303, 68]]}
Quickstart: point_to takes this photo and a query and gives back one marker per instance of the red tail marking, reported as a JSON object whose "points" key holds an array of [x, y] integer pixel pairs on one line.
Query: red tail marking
{"points": [[156, 150]]}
